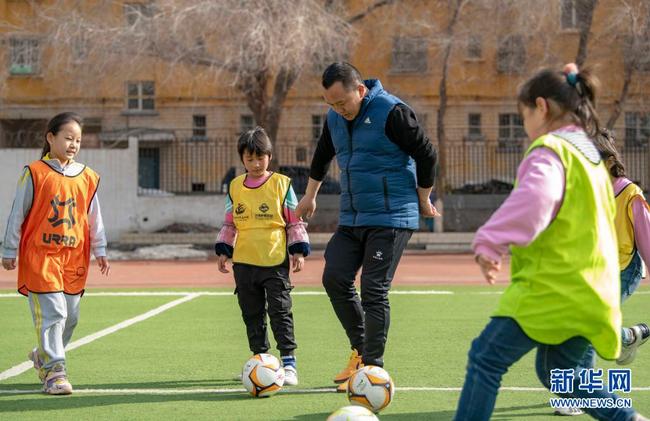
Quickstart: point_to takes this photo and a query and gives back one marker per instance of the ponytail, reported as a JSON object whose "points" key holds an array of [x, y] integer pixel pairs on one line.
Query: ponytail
{"points": [[572, 92]]}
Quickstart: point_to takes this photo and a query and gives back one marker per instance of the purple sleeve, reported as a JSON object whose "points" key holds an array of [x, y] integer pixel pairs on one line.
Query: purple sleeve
{"points": [[641, 215], [528, 210]]}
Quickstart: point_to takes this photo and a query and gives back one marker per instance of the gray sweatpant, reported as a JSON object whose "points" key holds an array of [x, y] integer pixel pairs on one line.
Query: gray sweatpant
{"points": [[55, 316]]}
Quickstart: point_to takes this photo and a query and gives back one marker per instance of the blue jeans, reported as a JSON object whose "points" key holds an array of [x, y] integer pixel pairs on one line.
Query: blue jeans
{"points": [[501, 344], [631, 277]]}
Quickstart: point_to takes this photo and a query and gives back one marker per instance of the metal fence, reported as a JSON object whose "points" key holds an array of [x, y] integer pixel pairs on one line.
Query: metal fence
{"points": [[206, 166]]}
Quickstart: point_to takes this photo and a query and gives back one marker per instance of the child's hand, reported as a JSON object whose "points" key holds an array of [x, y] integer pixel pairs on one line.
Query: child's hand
{"points": [[489, 268], [222, 260], [9, 263], [104, 267], [297, 262]]}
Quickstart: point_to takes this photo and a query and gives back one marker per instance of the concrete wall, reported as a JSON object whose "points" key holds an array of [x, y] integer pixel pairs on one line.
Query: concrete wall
{"points": [[123, 210]]}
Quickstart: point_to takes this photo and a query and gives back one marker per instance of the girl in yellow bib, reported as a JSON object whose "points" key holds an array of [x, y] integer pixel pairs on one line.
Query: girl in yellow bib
{"points": [[559, 225], [263, 236], [54, 225], [633, 233]]}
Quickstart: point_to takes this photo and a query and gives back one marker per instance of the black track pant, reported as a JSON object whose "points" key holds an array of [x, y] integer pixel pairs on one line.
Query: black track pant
{"points": [[378, 250], [261, 289]]}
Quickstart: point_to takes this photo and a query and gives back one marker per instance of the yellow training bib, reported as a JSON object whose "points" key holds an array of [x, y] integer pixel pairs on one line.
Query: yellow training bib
{"points": [[258, 216]]}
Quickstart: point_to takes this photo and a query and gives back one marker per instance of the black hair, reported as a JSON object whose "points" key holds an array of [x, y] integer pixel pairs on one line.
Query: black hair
{"points": [[573, 94], [343, 72], [606, 145], [55, 124], [255, 141]]}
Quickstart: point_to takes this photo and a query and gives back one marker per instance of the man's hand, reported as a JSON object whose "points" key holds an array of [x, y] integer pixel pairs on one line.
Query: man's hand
{"points": [[9, 263], [427, 209], [297, 262], [221, 260], [489, 268], [306, 207]]}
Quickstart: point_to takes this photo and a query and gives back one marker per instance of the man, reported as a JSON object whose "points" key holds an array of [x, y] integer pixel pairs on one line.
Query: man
{"points": [[381, 151]]}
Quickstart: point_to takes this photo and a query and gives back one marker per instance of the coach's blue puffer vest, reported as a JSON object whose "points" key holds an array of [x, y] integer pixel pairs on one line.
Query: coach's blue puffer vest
{"points": [[378, 184]]}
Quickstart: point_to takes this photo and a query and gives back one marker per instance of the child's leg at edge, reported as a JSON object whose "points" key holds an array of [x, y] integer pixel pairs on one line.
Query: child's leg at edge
{"points": [[500, 345]]}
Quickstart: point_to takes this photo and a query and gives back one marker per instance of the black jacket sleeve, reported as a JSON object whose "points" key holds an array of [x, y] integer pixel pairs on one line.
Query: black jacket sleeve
{"points": [[323, 155], [403, 129]]}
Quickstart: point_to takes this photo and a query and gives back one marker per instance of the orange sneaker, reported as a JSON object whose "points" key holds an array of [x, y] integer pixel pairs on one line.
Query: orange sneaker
{"points": [[343, 387], [354, 363]]}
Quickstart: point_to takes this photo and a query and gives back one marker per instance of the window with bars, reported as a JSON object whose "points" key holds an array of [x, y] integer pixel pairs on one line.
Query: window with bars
{"points": [[474, 47], [80, 48], [24, 56], [140, 96], [572, 13], [199, 127], [511, 132], [511, 54], [637, 130], [474, 130], [246, 123], [409, 55], [317, 123]]}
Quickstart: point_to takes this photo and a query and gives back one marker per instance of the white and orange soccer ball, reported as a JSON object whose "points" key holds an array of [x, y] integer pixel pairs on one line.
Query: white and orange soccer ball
{"points": [[263, 375], [371, 387], [352, 413]]}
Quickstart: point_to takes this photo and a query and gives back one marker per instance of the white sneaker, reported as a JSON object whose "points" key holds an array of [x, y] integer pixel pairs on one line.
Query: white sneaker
{"points": [[628, 352], [290, 376], [568, 412]]}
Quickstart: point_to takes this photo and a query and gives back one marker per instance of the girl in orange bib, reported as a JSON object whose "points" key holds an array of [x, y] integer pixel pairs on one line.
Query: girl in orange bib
{"points": [[54, 223]]}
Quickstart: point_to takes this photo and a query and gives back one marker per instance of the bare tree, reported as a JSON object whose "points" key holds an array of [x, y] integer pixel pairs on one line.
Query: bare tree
{"points": [[260, 47], [585, 11], [631, 20]]}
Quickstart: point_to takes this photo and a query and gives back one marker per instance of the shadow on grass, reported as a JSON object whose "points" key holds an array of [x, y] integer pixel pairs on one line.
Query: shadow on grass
{"points": [[411, 416], [45, 403]]}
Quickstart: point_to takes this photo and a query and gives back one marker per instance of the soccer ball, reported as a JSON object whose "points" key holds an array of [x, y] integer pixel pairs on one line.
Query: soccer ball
{"points": [[371, 387], [353, 413], [263, 375]]}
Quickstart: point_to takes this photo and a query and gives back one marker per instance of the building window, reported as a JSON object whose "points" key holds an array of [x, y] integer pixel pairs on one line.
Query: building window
{"points": [[80, 48], [246, 123], [474, 131], [474, 47], [136, 13], [140, 96], [511, 132], [301, 154], [199, 129], [637, 130], [409, 55], [317, 123], [511, 54], [573, 13], [25, 56]]}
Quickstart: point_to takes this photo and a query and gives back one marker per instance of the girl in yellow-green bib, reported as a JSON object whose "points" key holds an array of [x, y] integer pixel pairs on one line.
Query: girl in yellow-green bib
{"points": [[558, 223], [263, 236]]}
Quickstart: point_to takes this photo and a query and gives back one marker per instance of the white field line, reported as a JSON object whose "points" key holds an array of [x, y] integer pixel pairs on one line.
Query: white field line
{"points": [[21, 368], [223, 293], [297, 293], [287, 391]]}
